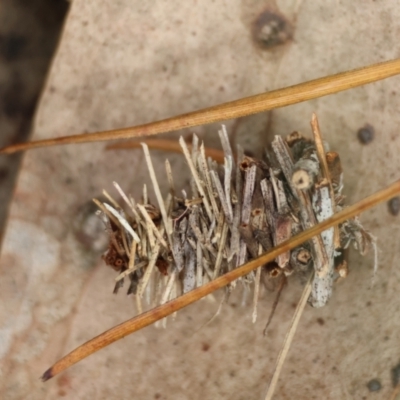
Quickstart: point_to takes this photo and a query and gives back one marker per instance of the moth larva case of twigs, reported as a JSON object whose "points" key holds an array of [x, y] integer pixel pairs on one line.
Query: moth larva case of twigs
{"points": [[230, 214]]}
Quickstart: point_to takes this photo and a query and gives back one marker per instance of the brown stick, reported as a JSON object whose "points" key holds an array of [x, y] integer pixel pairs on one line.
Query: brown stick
{"points": [[234, 109], [149, 317]]}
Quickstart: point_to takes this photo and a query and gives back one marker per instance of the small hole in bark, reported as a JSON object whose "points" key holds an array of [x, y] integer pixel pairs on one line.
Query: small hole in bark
{"points": [[394, 205], [271, 29], [374, 385], [366, 134]]}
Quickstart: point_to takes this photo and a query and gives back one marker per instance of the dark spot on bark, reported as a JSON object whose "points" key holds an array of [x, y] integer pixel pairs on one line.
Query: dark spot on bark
{"points": [[271, 29], [205, 346], [394, 206], [320, 321], [374, 385], [366, 134], [64, 381]]}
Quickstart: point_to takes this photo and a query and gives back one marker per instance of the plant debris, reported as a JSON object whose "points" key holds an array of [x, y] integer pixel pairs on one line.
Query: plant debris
{"points": [[233, 213]]}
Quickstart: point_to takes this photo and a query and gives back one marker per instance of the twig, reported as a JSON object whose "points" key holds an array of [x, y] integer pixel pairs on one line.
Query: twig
{"points": [[275, 303], [166, 220]]}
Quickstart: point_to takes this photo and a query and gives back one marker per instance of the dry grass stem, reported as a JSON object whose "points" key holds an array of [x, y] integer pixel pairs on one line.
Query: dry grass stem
{"points": [[288, 339]]}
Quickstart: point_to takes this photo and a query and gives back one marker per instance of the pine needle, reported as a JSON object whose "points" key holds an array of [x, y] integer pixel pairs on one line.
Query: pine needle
{"points": [[233, 109]]}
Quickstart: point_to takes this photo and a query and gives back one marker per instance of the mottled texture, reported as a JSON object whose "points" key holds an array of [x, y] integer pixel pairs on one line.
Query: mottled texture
{"points": [[127, 62]]}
